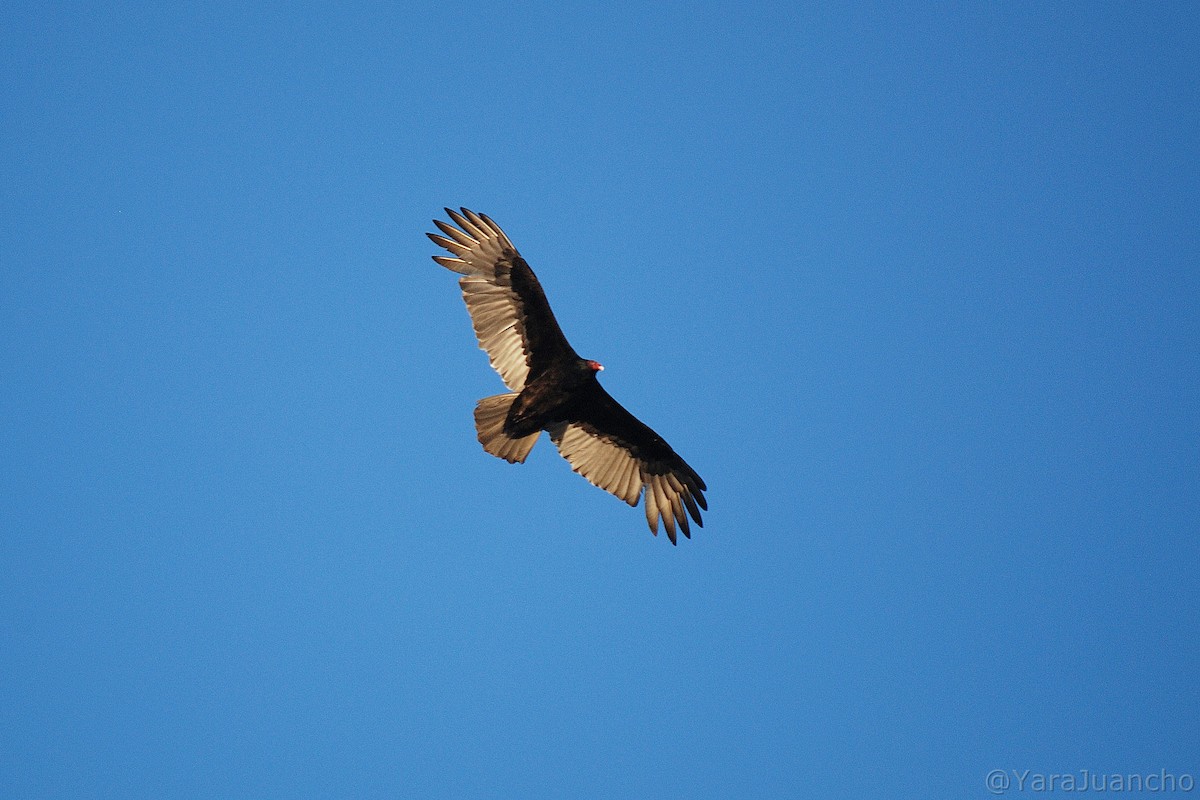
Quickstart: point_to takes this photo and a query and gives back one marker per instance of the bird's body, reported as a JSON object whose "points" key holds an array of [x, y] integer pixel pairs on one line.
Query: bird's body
{"points": [[553, 389], [548, 399]]}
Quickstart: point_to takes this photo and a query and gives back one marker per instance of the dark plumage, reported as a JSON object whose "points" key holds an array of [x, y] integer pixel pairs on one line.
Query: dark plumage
{"points": [[553, 389]]}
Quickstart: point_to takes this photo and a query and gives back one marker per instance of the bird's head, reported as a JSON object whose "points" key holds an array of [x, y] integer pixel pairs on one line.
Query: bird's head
{"points": [[594, 366]]}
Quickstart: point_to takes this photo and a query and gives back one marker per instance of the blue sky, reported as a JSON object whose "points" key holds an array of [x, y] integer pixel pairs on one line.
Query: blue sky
{"points": [[914, 288]]}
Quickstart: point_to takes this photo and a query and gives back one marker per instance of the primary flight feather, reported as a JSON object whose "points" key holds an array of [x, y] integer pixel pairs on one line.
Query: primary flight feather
{"points": [[553, 389]]}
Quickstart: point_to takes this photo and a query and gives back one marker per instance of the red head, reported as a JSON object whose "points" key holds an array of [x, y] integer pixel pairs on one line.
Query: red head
{"points": [[596, 366]]}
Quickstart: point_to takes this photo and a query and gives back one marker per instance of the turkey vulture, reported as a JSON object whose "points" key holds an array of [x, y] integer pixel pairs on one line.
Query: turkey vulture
{"points": [[553, 389]]}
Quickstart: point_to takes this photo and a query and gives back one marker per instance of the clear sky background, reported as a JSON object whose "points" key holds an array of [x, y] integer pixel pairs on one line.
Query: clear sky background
{"points": [[916, 288]]}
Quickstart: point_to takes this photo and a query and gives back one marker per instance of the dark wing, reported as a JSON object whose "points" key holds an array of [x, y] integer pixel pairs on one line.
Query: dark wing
{"points": [[617, 452], [512, 319]]}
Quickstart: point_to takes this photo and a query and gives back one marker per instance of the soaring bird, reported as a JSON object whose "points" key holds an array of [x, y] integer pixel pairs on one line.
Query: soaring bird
{"points": [[553, 389]]}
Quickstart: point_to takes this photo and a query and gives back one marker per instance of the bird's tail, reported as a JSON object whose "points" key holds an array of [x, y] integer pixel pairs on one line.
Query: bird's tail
{"points": [[490, 414]]}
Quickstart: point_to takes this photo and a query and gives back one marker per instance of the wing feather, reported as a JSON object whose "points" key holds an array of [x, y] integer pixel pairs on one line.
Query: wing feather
{"points": [[616, 452], [453, 232], [462, 222], [512, 319], [631, 484], [456, 264], [652, 512]]}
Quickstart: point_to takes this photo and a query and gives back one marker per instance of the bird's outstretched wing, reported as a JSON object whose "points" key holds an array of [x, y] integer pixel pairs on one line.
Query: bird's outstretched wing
{"points": [[616, 451], [509, 310]]}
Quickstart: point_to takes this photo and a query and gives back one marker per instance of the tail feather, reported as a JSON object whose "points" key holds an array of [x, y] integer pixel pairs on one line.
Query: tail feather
{"points": [[490, 414]]}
